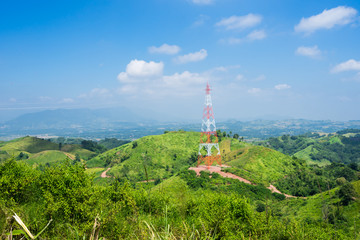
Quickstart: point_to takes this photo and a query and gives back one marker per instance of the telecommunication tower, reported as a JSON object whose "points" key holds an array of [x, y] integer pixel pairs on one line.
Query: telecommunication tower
{"points": [[209, 150]]}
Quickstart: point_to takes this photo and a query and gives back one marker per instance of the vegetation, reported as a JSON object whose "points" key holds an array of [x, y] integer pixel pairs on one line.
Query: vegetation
{"points": [[153, 195], [161, 156], [177, 208], [110, 143], [321, 150], [40, 151]]}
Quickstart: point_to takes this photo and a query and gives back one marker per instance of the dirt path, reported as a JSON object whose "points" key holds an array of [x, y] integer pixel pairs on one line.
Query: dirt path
{"points": [[69, 155], [217, 169], [103, 174], [274, 189]]}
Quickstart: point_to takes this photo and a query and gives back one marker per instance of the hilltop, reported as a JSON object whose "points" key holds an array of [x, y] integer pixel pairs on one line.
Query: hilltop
{"points": [[162, 156]]}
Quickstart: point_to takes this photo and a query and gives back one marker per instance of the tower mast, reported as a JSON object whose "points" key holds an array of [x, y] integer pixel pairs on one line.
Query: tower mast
{"points": [[209, 150]]}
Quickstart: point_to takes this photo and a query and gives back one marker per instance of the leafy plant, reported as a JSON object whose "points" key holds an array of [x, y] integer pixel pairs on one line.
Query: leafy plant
{"points": [[26, 231]]}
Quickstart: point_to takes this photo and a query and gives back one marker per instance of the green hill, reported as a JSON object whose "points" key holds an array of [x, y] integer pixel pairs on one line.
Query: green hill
{"points": [[40, 151], [29, 145], [48, 156], [164, 155], [327, 206], [161, 155], [260, 165]]}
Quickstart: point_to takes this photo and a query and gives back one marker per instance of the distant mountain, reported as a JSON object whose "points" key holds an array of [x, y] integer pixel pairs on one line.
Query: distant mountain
{"points": [[122, 123], [73, 119]]}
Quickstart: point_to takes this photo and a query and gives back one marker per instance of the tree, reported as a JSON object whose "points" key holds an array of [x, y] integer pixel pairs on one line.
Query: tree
{"points": [[347, 193], [236, 136], [354, 166], [218, 133], [77, 158], [341, 181]]}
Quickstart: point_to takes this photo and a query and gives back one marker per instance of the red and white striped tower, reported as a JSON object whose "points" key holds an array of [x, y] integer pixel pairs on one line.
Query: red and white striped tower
{"points": [[209, 147]]}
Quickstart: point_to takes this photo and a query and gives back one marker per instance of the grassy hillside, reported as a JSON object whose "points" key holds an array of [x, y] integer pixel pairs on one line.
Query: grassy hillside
{"points": [[29, 145], [325, 207], [40, 151], [48, 156], [161, 156], [260, 164]]}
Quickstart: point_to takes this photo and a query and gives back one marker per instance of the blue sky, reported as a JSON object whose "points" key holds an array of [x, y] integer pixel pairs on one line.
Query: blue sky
{"points": [[269, 58]]}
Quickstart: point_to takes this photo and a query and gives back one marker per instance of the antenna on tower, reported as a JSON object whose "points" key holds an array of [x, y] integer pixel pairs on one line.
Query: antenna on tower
{"points": [[208, 139]]}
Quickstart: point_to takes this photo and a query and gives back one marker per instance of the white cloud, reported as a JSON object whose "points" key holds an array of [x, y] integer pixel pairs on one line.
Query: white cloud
{"points": [[12, 100], [312, 52], [192, 57], [282, 86], [67, 100], [240, 22], [203, 2], [159, 85], [140, 69], [327, 19], [350, 65], [256, 35], [254, 90], [165, 49]]}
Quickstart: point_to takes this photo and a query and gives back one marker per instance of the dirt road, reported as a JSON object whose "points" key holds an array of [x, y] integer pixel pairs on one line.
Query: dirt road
{"points": [[217, 169], [103, 174]]}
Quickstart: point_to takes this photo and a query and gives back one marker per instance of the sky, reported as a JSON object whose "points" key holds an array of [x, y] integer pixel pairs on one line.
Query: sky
{"points": [[262, 58]]}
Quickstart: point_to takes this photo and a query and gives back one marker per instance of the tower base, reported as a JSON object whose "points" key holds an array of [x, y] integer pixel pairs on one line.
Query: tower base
{"points": [[208, 160]]}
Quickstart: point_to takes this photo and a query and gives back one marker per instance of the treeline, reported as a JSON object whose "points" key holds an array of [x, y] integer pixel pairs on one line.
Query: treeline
{"points": [[188, 208]]}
